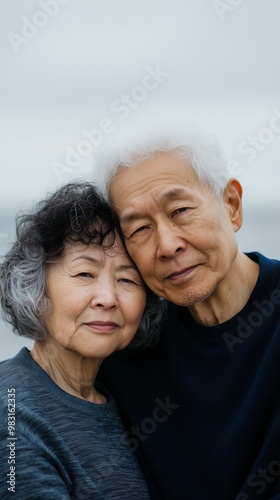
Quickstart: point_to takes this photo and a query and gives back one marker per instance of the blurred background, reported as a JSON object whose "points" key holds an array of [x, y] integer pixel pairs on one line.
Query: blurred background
{"points": [[75, 73]]}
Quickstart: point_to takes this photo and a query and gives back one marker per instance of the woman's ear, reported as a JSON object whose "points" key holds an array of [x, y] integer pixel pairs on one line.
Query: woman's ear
{"points": [[233, 199]]}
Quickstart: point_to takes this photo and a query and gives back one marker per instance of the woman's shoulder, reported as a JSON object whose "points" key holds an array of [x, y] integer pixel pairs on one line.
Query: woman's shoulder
{"points": [[17, 374]]}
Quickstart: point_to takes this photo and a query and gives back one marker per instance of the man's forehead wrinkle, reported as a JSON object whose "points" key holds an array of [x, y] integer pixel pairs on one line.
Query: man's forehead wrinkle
{"points": [[134, 212]]}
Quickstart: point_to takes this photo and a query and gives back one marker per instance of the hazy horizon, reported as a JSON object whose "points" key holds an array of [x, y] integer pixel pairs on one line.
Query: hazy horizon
{"points": [[260, 232]]}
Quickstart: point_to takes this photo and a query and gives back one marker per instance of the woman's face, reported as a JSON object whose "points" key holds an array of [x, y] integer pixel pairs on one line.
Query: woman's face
{"points": [[98, 298]]}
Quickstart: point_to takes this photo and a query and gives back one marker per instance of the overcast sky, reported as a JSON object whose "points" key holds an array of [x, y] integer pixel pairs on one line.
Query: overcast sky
{"points": [[71, 68], [68, 64]]}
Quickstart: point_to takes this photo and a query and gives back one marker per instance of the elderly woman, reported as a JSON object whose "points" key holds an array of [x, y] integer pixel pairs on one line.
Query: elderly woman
{"points": [[69, 284]]}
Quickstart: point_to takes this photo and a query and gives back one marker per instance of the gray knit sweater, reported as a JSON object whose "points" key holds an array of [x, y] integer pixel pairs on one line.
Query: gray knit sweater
{"points": [[56, 446]]}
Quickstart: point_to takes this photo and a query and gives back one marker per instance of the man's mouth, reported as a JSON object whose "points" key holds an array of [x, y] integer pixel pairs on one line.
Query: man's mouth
{"points": [[177, 275]]}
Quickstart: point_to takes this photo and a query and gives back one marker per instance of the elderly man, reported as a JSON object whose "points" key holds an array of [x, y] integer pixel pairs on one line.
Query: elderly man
{"points": [[202, 405]]}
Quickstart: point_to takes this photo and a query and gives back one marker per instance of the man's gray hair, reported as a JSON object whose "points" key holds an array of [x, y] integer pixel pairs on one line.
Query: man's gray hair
{"points": [[202, 152]]}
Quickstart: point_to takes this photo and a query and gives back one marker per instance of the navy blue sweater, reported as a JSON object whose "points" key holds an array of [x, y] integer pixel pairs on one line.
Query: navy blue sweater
{"points": [[202, 408]]}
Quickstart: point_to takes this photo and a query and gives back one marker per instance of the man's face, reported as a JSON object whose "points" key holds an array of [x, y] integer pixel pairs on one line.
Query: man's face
{"points": [[180, 236]]}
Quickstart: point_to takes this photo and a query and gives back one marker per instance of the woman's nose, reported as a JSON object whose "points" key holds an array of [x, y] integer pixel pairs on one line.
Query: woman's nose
{"points": [[104, 296]]}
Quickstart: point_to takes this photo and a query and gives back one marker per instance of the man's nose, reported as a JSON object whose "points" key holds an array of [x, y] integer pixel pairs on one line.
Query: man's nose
{"points": [[169, 242]]}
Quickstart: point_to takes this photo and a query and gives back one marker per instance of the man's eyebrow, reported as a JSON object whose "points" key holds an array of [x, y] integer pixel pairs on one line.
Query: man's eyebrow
{"points": [[131, 216], [172, 193]]}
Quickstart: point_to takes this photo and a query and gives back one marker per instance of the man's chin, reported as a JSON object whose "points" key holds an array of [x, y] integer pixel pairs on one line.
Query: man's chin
{"points": [[190, 298]]}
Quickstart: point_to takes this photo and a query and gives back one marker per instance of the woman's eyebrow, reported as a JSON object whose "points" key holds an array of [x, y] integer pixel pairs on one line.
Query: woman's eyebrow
{"points": [[125, 267], [87, 257], [121, 267]]}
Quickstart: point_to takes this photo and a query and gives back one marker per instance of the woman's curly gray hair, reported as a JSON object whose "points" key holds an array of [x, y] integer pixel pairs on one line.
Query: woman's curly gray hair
{"points": [[76, 212]]}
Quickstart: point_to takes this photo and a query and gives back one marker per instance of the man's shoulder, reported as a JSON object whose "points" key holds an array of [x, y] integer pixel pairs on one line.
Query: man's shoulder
{"points": [[264, 261], [269, 276]]}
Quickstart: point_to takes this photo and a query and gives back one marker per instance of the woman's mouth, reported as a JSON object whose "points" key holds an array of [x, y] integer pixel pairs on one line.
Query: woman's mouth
{"points": [[103, 326]]}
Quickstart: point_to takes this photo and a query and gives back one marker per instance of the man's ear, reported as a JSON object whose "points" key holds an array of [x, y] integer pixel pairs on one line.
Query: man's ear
{"points": [[233, 199]]}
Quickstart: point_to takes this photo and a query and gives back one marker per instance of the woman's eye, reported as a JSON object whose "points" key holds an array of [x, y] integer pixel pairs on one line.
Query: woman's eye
{"points": [[130, 281], [85, 275], [126, 280]]}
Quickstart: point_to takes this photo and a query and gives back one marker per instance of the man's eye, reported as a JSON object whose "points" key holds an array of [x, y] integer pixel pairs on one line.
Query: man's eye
{"points": [[179, 211], [138, 230]]}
